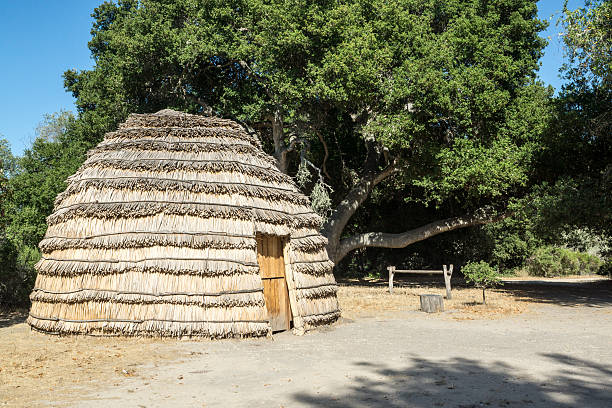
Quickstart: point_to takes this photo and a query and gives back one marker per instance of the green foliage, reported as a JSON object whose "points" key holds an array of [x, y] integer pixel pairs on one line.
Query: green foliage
{"points": [[587, 240], [581, 147], [480, 274], [319, 199], [303, 175], [8, 162], [588, 41], [54, 126], [510, 242], [28, 197], [476, 169], [550, 261], [41, 173], [606, 268], [568, 213], [443, 86], [569, 202]]}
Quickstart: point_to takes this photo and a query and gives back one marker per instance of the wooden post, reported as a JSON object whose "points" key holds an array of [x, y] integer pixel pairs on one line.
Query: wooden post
{"points": [[298, 322], [391, 270], [432, 303], [447, 280]]}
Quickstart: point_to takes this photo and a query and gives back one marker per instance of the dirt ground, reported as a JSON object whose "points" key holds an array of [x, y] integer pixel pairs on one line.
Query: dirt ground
{"points": [[532, 345]]}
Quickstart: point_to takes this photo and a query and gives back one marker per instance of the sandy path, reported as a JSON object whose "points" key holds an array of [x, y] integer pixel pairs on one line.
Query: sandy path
{"points": [[533, 346], [553, 357]]}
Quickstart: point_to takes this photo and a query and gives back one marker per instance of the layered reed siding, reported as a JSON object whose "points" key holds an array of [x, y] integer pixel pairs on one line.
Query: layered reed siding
{"points": [[315, 286], [156, 235]]}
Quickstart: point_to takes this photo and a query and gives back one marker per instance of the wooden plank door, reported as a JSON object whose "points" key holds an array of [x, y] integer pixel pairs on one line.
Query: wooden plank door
{"points": [[272, 270]]}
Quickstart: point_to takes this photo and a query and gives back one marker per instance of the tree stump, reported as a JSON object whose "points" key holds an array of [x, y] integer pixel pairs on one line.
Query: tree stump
{"points": [[432, 303]]}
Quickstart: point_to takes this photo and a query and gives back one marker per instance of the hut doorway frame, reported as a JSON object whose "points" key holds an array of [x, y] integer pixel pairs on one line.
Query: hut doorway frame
{"points": [[277, 281]]}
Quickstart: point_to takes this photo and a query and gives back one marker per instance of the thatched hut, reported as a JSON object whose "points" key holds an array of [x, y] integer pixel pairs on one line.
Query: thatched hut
{"points": [[180, 225]]}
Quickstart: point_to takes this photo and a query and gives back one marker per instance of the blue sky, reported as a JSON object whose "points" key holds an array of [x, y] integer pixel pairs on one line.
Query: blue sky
{"points": [[40, 39]]}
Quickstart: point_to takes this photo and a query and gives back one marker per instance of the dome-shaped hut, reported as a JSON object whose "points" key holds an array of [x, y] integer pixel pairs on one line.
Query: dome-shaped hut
{"points": [[177, 225]]}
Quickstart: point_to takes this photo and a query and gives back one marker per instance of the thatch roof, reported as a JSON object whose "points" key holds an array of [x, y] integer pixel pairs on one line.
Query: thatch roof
{"points": [[156, 235]]}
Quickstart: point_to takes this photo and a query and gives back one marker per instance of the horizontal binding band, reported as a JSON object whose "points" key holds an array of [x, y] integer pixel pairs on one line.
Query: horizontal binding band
{"points": [[154, 259], [59, 319], [177, 131], [239, 207], [119, 292], [187, 181], [269, 170], [182, 146], [317, 286], [212, 234]]}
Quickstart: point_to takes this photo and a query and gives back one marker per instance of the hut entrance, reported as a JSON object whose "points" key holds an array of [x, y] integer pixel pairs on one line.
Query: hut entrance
{"points": [[272, 270]]}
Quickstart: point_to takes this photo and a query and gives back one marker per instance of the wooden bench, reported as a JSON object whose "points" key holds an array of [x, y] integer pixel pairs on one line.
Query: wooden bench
{"points": [[447, 272]]}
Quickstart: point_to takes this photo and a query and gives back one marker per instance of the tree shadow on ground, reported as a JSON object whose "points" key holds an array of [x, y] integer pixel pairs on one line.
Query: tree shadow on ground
{"points": [[10, 318], [591, 294], [466, 383]]}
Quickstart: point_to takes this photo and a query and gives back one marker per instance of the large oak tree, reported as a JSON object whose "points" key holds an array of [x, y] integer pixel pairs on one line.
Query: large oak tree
{"points": [[434, 99]]}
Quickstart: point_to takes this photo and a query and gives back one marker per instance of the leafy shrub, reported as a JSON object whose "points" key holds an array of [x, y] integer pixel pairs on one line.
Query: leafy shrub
{"points": [[550, 261], [606, 268], [482, 275], [585, 240], [17, 274]]}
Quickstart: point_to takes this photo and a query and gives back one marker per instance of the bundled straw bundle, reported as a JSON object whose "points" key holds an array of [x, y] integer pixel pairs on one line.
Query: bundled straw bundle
{"points": [[156, 235]]}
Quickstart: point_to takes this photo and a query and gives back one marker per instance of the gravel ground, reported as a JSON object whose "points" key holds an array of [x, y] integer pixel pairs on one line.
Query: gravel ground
{"points": [[556, 354]]}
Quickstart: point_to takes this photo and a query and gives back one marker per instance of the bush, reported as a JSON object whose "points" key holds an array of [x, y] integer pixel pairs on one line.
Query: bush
{"points": [[482, 275], [17, 274], [606, 268], [550, 261]]}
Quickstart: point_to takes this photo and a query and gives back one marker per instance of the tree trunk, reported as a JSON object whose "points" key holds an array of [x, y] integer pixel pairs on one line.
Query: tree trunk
{"points": [[335, 224], [385, 240], [432, 303], [280, 150], [484, 298]]}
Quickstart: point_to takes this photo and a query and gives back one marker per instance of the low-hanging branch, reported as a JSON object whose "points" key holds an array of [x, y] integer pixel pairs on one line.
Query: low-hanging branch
{"points": [[402, 240], [333, 227]]}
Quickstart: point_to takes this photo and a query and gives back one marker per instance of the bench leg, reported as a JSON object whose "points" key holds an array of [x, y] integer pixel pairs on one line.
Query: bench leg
{"points": [[391, 273], [447, 280]]}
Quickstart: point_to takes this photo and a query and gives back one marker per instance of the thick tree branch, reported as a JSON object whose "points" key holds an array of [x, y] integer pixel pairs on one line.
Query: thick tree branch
{"points": [[323, 168], [181, 89], [263, 81], [335, 224], [385, 240], [206, 109], [278, 137]]}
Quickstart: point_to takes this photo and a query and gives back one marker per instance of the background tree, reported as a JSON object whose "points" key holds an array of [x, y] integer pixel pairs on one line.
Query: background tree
{"points": [[586, 104], [570, 203], [29, 189]]}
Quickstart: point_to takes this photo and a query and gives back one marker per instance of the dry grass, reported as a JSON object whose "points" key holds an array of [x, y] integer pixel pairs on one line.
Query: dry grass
{"points": [[374, 301], [35, 365]]}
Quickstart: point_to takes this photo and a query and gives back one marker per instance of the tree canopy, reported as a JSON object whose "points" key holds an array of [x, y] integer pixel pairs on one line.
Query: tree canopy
{"points": [[438, 95]]}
